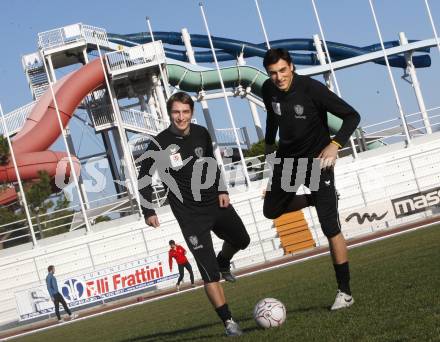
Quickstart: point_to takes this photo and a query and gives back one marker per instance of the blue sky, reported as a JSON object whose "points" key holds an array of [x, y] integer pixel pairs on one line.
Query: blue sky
{"points": [[366, 87], [343, 21]]}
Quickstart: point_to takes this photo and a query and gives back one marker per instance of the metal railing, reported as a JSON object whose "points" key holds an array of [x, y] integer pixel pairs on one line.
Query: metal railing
{"points": [[143, 121], [72, 34], [225, 137], [44, 223], [256, 166], [102, 115], [133, 119], [32, 61], [139, 56], [33, 67], [16, 119], [391, 131]]}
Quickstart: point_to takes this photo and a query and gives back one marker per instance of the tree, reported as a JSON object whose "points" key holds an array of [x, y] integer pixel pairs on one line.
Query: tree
{"points": [[257, 149], [4, 150], [37, 193], [62, 216]]}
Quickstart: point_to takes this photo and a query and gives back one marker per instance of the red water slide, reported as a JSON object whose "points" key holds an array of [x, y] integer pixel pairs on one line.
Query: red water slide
{"points": [[42, 128]]}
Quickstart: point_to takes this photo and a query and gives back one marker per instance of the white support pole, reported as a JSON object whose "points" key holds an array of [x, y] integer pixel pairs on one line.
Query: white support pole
{"points": [[321, 57], [151, 101], [132, 179], [262, 25], [86, 198], [390, 74], [332, 71], [69, 155], [211, 130], [186, 38], [158, 90], [415, 83], [208, 118], [86, 57], [433, 25], [142, 103], [254, 111], [51, 69], [17, 173], [324, 42], [162, 73], [231, 116], [257, 121], [69, 137]]}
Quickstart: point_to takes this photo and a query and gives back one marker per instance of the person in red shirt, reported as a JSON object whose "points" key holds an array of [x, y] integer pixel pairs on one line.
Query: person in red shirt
{"points": [[178, 252]]}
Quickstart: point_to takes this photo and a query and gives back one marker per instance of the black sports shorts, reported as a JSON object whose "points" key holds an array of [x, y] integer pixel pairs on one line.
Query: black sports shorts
{"points": [[196, 229], [324, 197]]}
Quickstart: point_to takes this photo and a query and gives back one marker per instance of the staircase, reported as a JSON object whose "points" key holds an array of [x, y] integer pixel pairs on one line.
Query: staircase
{"points": [[132, 120], [34, 69]]}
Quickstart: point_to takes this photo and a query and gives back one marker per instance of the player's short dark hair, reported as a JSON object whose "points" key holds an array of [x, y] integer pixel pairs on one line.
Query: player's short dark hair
{"points": [[50, 268], [272, 56], [172, 242], [180, 97]]}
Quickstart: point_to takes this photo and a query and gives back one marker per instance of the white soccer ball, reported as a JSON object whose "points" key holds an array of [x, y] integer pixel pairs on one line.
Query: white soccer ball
{"points": [[269, 313]]}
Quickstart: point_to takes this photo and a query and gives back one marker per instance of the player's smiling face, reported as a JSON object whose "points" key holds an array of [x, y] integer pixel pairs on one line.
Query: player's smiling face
{"points": [[181, 115], [281, 74]]}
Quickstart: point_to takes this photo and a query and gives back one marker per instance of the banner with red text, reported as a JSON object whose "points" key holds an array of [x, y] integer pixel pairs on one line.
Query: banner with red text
{"points": [[96, 286]]}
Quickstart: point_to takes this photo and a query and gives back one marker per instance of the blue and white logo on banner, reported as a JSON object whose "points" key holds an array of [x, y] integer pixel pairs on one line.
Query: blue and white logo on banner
{"points": [[72, 289]]}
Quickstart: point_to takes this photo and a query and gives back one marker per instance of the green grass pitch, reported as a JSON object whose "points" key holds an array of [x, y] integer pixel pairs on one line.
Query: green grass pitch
{"points": [[395, 283]]}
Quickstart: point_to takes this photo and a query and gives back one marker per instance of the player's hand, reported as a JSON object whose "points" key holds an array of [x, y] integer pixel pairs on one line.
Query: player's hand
{"points": [[153, 221], [328, 156], [223, 200]]}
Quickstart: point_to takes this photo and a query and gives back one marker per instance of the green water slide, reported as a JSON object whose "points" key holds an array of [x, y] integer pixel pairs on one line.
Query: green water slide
{"points": [[194, 78]]}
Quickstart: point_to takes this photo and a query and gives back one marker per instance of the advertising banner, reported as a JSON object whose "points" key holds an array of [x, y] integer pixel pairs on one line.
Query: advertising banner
{"points": [[96, 286], [417, 202], [373, 215]]}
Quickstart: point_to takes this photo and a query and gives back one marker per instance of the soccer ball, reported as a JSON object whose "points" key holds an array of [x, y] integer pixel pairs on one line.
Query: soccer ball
{"points": [[269, 313]]}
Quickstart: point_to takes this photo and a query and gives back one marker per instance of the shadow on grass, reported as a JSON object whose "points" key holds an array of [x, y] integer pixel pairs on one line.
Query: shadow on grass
{"points": [[176, 335]]}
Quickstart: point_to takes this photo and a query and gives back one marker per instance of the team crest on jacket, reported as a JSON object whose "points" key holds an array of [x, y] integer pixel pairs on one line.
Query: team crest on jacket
{"points": [[299, 110], [194, 241], [199, 152]]}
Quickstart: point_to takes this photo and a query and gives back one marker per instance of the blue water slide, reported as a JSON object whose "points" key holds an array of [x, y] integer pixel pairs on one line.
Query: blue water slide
{"points": [[228, 49]]}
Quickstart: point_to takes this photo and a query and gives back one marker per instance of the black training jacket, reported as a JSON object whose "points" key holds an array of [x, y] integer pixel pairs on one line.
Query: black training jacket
{"points": [[177, 156], [300, 113]]}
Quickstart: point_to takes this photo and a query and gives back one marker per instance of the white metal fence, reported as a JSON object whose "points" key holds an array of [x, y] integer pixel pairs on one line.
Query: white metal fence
{"points": [[140, 56], [142, 121], [226, 137], [16, 119], [132, 119], [72, 34], [390, 131]]}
